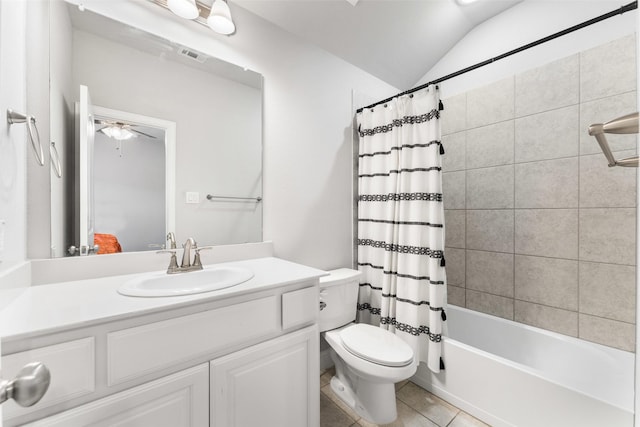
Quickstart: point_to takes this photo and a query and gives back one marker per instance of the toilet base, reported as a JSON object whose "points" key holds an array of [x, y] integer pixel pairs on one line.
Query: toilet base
{"points": [[374, 401]]}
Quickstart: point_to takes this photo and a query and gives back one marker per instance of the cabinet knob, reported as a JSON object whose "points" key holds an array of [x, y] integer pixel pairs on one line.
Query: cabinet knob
{"points": [[28, 387]]}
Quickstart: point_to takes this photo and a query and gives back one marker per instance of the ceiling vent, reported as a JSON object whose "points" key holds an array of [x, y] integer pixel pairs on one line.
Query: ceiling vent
{"points": [[193, 54]]}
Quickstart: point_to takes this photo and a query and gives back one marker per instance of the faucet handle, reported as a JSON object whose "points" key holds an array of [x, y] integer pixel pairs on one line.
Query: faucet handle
{"points": [[173, 262], [166, 251], [196, 260], [196, 257], [172, 239]]}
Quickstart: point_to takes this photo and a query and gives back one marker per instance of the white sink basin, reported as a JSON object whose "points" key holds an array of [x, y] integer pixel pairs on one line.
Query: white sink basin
{"points": [[161, 284]]}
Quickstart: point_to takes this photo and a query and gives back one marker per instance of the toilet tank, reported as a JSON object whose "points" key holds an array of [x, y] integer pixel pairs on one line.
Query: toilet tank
{"points": [[338, 298]]}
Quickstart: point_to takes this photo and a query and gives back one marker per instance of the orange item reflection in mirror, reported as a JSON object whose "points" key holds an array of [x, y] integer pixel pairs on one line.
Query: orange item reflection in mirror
{"points": [[108, 243]]}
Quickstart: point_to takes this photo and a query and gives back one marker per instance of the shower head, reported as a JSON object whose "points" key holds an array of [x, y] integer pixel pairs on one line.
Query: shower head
{"points": [[622, 125]]}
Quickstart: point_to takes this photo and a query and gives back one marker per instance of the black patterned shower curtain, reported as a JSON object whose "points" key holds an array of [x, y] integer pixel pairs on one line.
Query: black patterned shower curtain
{"points": [[401, 222]]}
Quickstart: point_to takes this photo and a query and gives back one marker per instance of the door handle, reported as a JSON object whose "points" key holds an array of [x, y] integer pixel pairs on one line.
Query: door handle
{"points": [[28, 387]]}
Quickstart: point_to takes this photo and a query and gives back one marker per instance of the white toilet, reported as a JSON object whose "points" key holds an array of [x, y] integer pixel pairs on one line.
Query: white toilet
{"points": [[369, 360]]}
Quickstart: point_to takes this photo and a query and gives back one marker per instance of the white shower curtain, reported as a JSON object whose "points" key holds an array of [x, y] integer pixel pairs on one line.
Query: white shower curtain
{"points": [[401, 222]]}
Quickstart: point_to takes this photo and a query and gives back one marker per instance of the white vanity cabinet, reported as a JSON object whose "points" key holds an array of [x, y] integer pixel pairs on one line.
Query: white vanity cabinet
{"points": [[178, 400], [245, 360], [268, 384]]}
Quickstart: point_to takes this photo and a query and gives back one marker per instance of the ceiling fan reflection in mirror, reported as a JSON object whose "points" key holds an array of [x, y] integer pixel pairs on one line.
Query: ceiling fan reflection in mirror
{"points": [[119, 131]]}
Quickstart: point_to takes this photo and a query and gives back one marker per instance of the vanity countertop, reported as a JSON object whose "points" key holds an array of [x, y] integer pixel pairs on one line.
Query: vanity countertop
{"points": [[37, 310]]}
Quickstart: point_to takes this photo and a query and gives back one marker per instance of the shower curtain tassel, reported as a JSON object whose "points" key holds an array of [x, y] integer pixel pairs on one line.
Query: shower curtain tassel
{"points": [[441, 149], [441, 364], [440, 105], [443, 315], [442, 262]]}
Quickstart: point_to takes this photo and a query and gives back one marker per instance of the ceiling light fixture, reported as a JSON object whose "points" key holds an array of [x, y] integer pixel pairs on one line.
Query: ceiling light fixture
{"points": [[220, 18], [118, 133], [184, 8], [465, 2], [217, 16]]}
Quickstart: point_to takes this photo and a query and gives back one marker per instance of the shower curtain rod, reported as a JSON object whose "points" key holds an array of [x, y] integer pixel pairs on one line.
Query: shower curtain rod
{"points": [[626, 8]]}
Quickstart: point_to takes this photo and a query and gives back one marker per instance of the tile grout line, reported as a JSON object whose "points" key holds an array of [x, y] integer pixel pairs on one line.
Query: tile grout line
{"points": [[513, 256], [543, 256], [466, 153], [579, 193]]}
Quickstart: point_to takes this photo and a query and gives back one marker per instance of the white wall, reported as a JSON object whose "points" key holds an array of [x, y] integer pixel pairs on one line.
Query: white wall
{"points": [[61, 126], [307, 126], [522, 24], [37, 68], [13, 140]]}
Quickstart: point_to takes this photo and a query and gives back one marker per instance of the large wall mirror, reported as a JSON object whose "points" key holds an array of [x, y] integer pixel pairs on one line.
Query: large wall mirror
{"points": [[217, 154]]}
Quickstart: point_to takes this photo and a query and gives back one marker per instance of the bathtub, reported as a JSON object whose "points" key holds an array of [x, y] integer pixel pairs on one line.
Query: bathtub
{"points": [[509, 374]]}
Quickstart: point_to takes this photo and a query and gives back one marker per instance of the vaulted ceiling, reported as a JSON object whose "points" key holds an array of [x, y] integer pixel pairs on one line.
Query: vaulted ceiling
{"points": [[397, 41]]}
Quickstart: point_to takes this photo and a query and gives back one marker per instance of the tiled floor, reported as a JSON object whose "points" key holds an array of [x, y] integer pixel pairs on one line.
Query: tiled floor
{"points": [[416, 408]]}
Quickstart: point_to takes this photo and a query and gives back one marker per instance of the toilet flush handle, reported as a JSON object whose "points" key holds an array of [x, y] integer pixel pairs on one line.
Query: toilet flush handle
{"points": [[323, 293]]}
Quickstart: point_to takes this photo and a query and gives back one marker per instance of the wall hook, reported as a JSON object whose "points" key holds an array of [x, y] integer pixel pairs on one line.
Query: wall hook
{"points": [[55, 159], [14, 117]]}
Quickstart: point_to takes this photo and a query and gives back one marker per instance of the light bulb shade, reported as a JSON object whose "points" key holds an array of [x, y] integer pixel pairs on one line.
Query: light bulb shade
{"points": [[184, 8], [118, 133], [220, 18]]}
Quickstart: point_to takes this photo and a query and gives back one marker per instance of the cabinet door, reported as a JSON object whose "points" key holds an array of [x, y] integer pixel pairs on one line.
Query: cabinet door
{"points": [[177, 400], [271, 384]]}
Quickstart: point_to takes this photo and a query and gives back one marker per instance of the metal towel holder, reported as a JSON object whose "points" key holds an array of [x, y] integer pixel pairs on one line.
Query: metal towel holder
{"points": [[14, 118], [622, 125], [213, 198], [55, 159]]}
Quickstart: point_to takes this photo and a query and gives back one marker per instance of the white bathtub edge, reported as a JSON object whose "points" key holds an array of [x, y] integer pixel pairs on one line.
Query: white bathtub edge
{"points": [[473, 381]]}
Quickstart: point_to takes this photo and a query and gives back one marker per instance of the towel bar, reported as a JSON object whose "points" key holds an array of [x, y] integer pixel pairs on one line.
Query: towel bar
{"points": [[255, 199]]}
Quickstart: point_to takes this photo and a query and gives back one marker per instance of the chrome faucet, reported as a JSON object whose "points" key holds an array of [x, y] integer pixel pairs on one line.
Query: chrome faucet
{"points": [[186, 264]]}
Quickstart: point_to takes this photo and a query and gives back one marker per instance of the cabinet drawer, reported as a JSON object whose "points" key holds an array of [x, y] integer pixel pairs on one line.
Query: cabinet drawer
{"points": [[178, 400], [72, 367], [144, 349], [300, 307]]}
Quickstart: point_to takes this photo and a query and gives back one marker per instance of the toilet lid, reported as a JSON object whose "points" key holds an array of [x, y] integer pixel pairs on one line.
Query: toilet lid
{"points": [[376, 345]]}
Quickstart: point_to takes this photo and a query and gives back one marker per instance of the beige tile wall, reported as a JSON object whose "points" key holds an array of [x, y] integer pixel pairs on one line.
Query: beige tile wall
{"points": [[539, 229]]}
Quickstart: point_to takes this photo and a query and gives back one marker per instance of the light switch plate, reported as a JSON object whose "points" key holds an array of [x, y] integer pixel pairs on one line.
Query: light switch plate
{"points": [[193, 197]]}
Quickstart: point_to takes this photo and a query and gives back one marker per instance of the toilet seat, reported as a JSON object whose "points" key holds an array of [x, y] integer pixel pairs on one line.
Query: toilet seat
{"points": [[376, 345]]}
